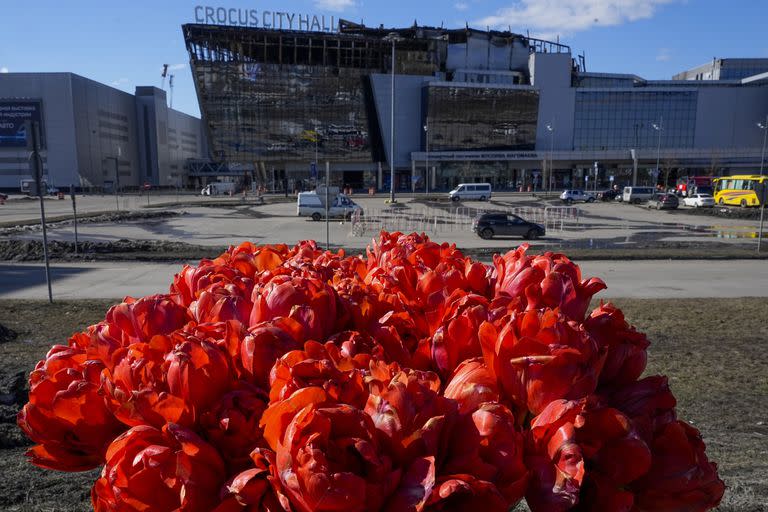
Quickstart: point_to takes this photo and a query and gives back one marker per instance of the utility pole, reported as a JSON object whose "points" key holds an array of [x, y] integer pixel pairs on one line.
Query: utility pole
{"points": [[658, 127], [551, 129], [392, 132], [33, 140], [74, 214], [327, 205], [762, 185], [426, 170]]}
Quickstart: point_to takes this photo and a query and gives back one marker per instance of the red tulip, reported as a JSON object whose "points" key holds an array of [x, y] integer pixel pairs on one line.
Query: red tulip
{"points": [[456, 493], [66, 415], [487, 444], [137, 388], [220, 303], [134, 321], [353, 343], [227, 336], [232, 425], [256, 489], [539, 356], [323, 367], [681, 477], [264, 344], [249, 259], [547, 281], [471, 385], [575, 443], [626, 358], [198, 372], [329, 459], [479, 278], [170, 380], [414, 418], [648, 402], [457, 338], [310, 302], [192, 281], [151, 469]]}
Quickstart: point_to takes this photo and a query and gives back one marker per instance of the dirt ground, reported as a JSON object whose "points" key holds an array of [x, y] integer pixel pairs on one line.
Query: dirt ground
{"points": [[714, 352]]}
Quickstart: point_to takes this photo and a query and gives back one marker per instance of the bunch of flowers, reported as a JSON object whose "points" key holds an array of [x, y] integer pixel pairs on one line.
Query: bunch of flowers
{"points": [[412, 378]]}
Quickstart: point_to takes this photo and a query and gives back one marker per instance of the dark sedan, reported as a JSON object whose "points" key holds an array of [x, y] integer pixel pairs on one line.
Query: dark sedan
{"points": [[663, 202], [506, 224]]}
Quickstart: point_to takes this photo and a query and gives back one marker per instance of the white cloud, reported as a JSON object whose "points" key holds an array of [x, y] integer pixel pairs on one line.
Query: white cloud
{"points": [[461, 6], [4, 70], [664, 55], [176, 67], [552, 17], [119, 82], [335, 5]]}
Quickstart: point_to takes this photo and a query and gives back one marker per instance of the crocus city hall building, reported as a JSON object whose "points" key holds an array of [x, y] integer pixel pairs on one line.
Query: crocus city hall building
{"points": [[469, 106]]}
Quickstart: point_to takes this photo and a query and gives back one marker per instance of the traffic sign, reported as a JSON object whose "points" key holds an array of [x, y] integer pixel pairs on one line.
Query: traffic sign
{"points": [[610, 178]]}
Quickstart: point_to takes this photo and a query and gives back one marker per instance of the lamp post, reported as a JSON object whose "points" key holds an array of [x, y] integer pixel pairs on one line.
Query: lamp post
{"points": [[764, 127], [393, 37], [551, 129], [426, 170], [658, 127]]}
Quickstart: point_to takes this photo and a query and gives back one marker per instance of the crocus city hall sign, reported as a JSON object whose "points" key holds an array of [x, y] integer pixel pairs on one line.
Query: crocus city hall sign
{"points": [[276, 20]]}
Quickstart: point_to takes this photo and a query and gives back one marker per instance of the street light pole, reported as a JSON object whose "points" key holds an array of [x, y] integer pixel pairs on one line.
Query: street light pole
{"points": [[551, 128], [392, 131], [426, 170], [658, 127], [764, 127]]}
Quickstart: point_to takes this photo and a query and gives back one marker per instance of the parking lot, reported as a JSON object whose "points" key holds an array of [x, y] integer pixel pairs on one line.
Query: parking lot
{"points": [[222, 221]]}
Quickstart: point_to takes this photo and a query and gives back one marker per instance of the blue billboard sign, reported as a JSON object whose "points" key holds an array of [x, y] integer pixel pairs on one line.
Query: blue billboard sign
{"points": [[13, 116]]}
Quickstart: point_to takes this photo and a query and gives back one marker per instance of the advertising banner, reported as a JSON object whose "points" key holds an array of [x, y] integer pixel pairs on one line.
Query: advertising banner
{"points": [[13, 115]]}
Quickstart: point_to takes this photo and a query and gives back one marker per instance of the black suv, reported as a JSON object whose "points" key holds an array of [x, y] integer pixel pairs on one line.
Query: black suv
{"points": [[489, 225]]}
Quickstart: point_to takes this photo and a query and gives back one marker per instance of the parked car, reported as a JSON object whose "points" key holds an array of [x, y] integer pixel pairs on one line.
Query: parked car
{"points": [[634, 195], [664, 202], [471, 191], [489, 225], [700, 201], [573, 196], [607, 195]]}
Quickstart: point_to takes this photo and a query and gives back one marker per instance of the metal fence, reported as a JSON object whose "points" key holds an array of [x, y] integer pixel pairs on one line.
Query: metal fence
{"points": [[455, 219]]}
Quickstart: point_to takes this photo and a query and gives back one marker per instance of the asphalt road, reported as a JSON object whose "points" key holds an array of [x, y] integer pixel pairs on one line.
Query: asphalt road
{"points": [[625, 279]]}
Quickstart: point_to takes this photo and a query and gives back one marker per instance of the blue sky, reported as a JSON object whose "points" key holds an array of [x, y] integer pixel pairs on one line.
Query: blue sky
{"points": [[125, 44]]}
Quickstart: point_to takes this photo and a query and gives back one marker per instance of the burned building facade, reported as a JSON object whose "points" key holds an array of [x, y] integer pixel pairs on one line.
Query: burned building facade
{"points": [[469, 106], [276, 100]]}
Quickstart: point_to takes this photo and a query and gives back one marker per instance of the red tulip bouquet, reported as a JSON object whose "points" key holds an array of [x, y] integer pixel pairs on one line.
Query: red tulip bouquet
{"points": [[412, 378]]}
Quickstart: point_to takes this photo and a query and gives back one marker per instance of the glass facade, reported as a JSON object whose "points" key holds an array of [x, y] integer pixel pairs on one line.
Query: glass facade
{"points": [[270, 112], [481, 118], [624, 119]]}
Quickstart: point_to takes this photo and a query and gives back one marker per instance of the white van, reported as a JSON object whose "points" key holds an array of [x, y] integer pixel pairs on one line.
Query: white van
{"points": [[471, 191], [637, 194], [311, 204]]}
